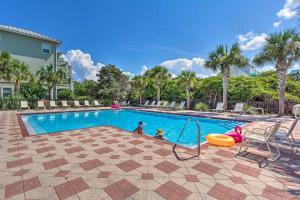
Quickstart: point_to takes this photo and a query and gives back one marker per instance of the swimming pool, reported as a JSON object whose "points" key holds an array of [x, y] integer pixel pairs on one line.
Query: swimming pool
{"points": [[128, 120]]}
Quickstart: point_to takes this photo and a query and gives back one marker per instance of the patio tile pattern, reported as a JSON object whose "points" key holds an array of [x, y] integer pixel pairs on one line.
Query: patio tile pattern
{"points": [[108, 163]]}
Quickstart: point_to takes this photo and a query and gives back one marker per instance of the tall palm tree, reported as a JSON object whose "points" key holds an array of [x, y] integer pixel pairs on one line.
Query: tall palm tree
{"points": [[188, 79], [49, 76], [5, 61], [221, 59], [159, 74], [19, 72], [283, 50], [140, 83]]}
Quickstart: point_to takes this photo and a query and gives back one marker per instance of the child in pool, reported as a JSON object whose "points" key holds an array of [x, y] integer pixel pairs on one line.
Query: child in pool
{"points": [[160, 134], [140, 128]]}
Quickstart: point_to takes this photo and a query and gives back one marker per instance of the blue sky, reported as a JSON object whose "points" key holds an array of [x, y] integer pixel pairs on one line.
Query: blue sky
{"points": [[138, 34]]}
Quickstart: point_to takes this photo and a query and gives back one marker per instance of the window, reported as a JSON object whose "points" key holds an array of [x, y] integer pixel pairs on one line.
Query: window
{"points": [[6, 92], [45, 48]]}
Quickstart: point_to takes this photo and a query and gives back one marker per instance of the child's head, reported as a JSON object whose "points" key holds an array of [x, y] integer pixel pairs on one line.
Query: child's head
{"points": [[159, 132], [141, 124]]}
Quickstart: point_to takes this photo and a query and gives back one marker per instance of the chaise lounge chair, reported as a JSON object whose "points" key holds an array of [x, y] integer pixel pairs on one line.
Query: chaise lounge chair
{"points": [[145, 104], [97, 104], [87, 104], [24, 105], [157, 105], [239, 108], [164, 105], [53, 104], [287, 133], [172, 105], [219, 107], [262, 136], [77, 104], [64, 104], [41, 104], [181, 105], [152, 104]]}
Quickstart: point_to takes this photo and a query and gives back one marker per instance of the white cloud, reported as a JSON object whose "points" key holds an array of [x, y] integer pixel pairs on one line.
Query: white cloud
{"points": [[276, 24], [195, 64], [289, 10], [128, 74], [82, 64], [144, 69], [252, 41]]}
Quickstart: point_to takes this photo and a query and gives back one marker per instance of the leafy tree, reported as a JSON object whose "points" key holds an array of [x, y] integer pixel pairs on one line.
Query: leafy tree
{"points": [[283, 50], [5, 62], [32, 92], [221, 59], [209, 89], [65, 94], [159, 74], [112, 83], [171, 91], [139, 84], [50, 77], [86, 87], [19, 72], [188, 79]]}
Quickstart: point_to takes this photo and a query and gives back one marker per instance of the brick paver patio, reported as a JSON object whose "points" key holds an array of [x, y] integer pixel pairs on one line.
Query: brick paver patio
{"points": [[107, 163]]}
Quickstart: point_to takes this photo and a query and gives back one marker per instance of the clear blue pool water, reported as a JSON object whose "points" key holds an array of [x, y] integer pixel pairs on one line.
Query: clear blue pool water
{"points": [[128, 120]]}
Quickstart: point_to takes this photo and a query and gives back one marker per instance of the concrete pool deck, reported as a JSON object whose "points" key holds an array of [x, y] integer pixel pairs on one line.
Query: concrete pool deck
{"points": [[108, 163]]}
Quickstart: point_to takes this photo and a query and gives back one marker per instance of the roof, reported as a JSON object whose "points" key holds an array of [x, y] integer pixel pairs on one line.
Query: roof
{"points": [[28, 33]]}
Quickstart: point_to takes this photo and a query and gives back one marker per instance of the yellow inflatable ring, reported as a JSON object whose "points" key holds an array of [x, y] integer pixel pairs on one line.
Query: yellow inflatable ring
{"points": [[220, 140]]}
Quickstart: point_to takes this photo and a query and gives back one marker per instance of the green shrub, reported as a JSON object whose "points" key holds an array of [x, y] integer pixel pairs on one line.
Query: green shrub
{"points": [[201, 106], [32, 93], [84, 98], [252, 111], [12, 101], [65, 94]]}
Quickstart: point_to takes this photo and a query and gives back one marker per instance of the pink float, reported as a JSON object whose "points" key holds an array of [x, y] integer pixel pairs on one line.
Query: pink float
{"points": [[115, 106], [237, 135]]}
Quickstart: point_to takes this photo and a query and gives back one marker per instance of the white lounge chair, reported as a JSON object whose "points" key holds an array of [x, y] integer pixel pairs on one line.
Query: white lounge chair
{"points": [[157, 105], [64, 104], [152, 104], [172, 105], [181, 105], [87, 104], [285, 133], [239, 108], [77, 104], [145, 104], [164, 105], [219, 107], [262, 136], [53, 104], [96, 103], [41, 104], [24, 105]]}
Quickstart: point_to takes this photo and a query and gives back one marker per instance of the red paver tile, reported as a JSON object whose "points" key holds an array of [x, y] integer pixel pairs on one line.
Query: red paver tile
{"points": [[62, 173], [70, 188], [148, 146], [63, 140], [14, 149], [222, 192], [136, 142], [163, 152], [207, 169], [191, 178], [133, 151], [121, 190], [111, 141], [39, 140], [45, 149], [103, 150], [87, 141], [147, 176], [128, 165], [104, 174], [91, 164], [147, 157], [114, 157], [21, 187], [16, 163], [247, 170], [82, 155], [74, 149], [273, 193], [238, 180], [54, 163], [21, 172], [172, 191], [217, 160], [166, 167], [226, 154]]}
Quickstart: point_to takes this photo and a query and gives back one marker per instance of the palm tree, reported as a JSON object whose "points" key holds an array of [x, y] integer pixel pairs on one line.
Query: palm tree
{"points": [[49, 76], [221, 59], [19, 72], [5, 61], [159, 74], [283, 50], [140, 83], [188, 79]]}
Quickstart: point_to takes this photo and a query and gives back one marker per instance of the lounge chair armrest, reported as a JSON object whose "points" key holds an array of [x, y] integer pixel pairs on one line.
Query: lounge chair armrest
{"points": [[258, 130]]}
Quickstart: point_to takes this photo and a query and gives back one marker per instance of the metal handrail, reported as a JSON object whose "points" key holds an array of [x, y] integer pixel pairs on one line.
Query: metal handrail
{"points": [[198, 141], [256, 109]]}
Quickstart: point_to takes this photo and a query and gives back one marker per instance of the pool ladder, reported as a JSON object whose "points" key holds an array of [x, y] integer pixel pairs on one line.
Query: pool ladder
{"points": [[198, 141]]}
